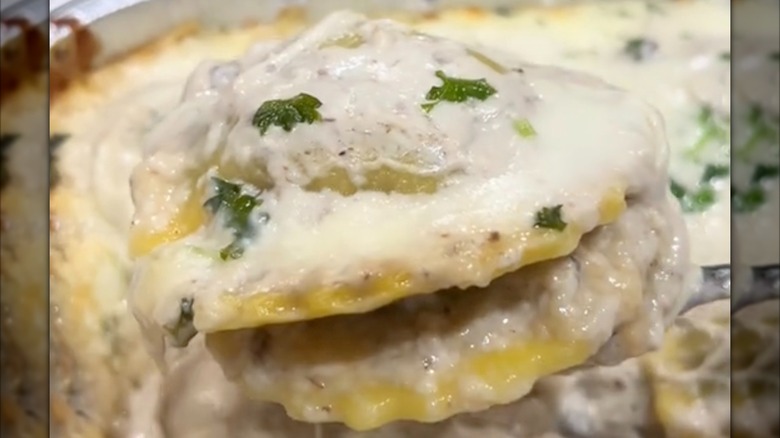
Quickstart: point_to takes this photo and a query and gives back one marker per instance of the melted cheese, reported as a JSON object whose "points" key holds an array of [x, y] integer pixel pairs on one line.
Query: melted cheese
{"points": [[755, 361], [690, 374], [426, 358], [684, 72], [23, 328], [323, 253]]}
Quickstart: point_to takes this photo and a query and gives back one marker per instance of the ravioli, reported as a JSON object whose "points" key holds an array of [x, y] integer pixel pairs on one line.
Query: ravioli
{"points": [[690, 374], [716, 374], [426, 358], [320, 178], [755, 362]]}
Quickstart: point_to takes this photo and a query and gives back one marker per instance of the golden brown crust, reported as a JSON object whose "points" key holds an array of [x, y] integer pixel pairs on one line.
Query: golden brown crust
{"points": [[23, 332], [21, 402], [23, 336], [22, 58], [96, 353], [71, 58]]}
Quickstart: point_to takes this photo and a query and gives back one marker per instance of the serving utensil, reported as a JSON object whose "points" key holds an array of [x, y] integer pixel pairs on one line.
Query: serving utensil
{"points": [[762, 283]]}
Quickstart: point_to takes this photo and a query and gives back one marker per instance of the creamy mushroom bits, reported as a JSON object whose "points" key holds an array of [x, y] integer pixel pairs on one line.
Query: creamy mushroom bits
{"points": [[409, 214], [364, 222]]}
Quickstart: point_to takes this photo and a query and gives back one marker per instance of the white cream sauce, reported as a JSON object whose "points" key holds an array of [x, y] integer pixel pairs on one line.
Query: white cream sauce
{"points": [[615, 289], [683, 72], [590, 139]]}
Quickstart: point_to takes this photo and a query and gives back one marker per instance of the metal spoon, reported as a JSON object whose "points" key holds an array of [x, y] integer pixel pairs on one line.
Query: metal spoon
{"points": [[763, 285]]}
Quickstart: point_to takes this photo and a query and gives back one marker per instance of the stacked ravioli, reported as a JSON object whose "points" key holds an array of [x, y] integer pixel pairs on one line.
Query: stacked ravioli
{"points": [[368, 224]]}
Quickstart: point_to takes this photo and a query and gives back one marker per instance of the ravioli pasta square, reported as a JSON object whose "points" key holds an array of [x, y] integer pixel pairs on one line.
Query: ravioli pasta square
{"points": [[426, 358], [361, 163], [369, 224]]}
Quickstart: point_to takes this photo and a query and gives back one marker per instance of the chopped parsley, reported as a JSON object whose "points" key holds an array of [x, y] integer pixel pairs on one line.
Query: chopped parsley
{"points": [[286, 113], [749, 200], [550, 217], [714, 171], [725, 56], [183, 330], [704, 196], [761, 131], [236, 208], [524, 128], [763, 134], [754, 196], [764, 171], [457, 90], [714, 129], [700, 200], [677, 189], [694, 201], [640, 49]]}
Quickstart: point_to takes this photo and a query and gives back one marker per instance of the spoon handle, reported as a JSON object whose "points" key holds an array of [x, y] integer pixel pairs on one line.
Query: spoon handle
{"points": [[763, 284]]}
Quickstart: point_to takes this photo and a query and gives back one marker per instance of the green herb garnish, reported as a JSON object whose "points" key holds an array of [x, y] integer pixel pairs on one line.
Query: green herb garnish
{"points": [[775, 56], [639, 49], [764, 171], [524, 128], [713, 130], [677, 189], [725, 56], [457, 90], [286, 113], [754, 196], [749, 200], [550, 217], [236, 208], [183, 330], [760, 131], [700, 200], [714, 171], [693, 202]]}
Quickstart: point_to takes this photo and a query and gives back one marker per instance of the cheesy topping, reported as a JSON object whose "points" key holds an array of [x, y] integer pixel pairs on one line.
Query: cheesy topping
{"points": [[225, 203], [755, 363], [690, 374], [425, 358]]}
